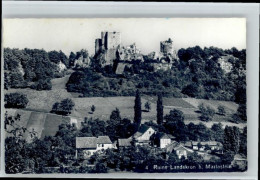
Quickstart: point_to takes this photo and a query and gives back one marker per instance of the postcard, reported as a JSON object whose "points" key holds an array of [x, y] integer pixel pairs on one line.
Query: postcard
{"points": [[124, 95]]}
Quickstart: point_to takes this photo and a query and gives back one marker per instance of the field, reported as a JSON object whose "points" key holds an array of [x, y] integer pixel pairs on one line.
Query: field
{"points": [[44, 124], [37, 117]]}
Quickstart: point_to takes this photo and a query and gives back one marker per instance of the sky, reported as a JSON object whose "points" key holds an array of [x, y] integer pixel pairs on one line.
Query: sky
{"points": [[76, 34]]}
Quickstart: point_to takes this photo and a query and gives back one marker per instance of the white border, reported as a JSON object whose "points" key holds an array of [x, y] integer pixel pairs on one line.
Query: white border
{"points": [[66, 9]]}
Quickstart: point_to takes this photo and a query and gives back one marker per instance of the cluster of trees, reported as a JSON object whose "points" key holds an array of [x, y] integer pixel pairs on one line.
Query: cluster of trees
{"points": [[31, 67], [93, 84], [15, 100], [35, 68], [64, 107], [22, 156]]}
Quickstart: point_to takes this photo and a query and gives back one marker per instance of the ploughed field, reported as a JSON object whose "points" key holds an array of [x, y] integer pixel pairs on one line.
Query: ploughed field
{"points": [[37, 117]]}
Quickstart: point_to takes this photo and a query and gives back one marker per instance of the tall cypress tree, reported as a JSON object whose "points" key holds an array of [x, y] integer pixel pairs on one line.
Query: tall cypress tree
{"points": [[159, 109], [231, 139], [138, 108]]}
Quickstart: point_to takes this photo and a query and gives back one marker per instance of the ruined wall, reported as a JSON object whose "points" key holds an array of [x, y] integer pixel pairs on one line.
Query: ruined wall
{"points": [[113, 40], [98, 45], [109, 41], [110, 56], [166, 47]]}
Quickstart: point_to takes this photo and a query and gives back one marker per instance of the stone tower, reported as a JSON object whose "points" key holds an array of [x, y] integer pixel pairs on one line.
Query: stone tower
{"points": [[109, 42], [166, 47]]}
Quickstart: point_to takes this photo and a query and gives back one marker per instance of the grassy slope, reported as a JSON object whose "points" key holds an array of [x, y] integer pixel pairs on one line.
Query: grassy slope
{"points": [[40, 103]]}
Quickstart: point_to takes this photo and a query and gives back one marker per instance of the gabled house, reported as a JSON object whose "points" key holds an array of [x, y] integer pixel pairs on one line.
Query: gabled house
{"points": [[162, 140], [87, 146], [180, 149], [143, 135], [104, 142], [124, 142]]}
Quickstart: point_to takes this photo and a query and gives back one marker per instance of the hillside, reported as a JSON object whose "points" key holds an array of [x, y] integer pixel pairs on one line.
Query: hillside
{"points": [[36, 116]]}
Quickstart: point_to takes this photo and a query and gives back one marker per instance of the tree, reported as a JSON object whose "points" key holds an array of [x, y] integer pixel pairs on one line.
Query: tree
{"points": [[113, 123], [191, 90], [93, 108], [15, 145], [16, 100], [228, 157], [148, 106], [6, 81], [159, 109], [54, 56], [194, 158], [241, 112], [231, 139], [175, 124], [243, 142], [138, 108], [72, 58], [207, 113], [43, 84], [221, 110], [217, 132], [115, 116], [16, 80], [174, 115], [64, 107]]}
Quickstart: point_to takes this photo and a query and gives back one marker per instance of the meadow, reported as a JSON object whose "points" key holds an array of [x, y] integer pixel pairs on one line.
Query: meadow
{"points": [[36, 115]]}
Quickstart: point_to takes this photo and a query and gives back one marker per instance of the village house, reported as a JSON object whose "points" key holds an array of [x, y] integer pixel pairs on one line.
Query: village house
{"points": [[180, 149], [143, 135], [124, 142], [204, 145], [162, 140], [87, 146]]}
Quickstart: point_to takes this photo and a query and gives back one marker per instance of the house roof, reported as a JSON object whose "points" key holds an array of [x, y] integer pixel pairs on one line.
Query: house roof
{"points": [[177, 146], [103, 140], [86, 142], [162, 135], [188, 143], [195, 143], [124, 142], [214, 143], [142, 129], [210, 143], [137, 134], [91, 142]]}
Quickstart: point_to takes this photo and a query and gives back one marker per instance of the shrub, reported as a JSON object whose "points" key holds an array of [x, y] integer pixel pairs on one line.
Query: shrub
{"points": [[221, 110], [16, 100], [207, 113], [43, 84], [64, 107]]}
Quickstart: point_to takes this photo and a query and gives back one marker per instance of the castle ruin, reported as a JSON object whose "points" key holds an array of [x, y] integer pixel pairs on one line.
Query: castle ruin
{"points": [[166, 47], [108, 43]]}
